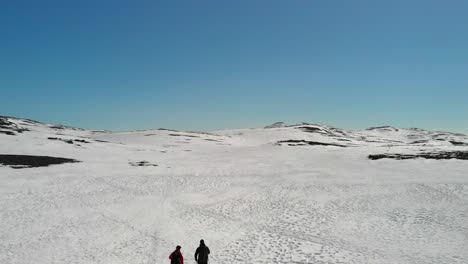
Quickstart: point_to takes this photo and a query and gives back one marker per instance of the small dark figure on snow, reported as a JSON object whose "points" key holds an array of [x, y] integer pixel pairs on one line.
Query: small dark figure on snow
{"points": [[176, 256], [201, 255]]}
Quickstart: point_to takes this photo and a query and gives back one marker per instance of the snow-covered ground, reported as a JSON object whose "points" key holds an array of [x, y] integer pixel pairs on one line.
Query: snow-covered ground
{"points": [[252, 199]]}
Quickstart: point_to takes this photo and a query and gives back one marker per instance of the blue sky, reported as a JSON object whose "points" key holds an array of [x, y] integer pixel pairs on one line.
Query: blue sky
{"points": [[206, 65]]}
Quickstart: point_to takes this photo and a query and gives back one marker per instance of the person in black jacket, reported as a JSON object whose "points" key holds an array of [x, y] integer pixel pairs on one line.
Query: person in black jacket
{"points": [[202, 252]]}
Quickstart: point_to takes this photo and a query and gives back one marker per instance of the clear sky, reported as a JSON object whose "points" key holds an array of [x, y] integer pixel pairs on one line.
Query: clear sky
{"points": [[206, 65]]}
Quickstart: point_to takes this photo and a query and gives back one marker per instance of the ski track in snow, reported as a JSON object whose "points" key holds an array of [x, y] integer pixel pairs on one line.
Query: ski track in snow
{"points": [[251, 202]]}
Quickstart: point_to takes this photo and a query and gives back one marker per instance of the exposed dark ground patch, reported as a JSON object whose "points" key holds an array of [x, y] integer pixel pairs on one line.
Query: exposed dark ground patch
{"points": [[461, 155], [204, 133], [311, 129], [214, 140], [58, 127], [4, 123], [338, 131], [180, 135], [307, 143], [9, 128], [142, 163], [388, 128], [29, 161], [69, 141], [29, 121], [276, 125], [62, 127], [165, 129], [343, 139], [7, 133], [81, 141], [458, 143], [419, 142], [381, 141]]}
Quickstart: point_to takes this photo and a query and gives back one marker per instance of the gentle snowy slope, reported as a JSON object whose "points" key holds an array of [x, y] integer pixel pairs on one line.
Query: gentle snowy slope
{"points": [[254, 195]]}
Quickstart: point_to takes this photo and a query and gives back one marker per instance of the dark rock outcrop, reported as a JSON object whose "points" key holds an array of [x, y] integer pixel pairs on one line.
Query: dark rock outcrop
{"points": [[293, 142], [142, 163], [180, 135], [384, 128], [461, 155], [458, 143], [10, 128], [69, 141], [277, 125], [30, 161]]}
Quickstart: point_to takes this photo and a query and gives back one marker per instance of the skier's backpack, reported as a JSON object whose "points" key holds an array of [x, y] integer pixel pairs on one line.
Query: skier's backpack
{"points": [[175, 257]]}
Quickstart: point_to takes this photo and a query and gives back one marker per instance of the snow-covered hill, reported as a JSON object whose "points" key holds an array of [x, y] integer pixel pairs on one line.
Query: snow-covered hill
{"points": [[301, 193]]}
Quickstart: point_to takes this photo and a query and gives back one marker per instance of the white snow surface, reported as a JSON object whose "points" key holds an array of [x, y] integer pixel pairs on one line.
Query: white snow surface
{"points": [[252, 200]]}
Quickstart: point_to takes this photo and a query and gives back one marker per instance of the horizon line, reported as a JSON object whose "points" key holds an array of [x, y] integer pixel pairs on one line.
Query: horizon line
{"points": [[222, 129]]}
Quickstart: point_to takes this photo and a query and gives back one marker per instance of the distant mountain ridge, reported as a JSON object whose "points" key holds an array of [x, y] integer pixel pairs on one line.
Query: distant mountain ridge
{"points": [[277, 132], [32, 138]]}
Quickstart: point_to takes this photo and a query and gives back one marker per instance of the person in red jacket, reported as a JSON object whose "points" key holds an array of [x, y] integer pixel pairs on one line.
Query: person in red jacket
{"points": [[176, 256]]}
